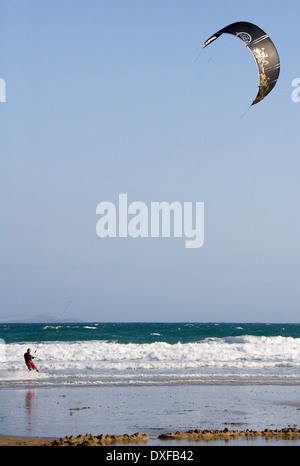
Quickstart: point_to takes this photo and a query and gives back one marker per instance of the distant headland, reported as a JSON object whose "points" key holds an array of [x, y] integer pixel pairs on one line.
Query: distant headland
{"points": [[36, 319]]}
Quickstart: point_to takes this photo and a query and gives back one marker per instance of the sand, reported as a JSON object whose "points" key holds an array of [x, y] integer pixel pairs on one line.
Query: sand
{"points": [[170, 416], [71, 441], [16, 441]]}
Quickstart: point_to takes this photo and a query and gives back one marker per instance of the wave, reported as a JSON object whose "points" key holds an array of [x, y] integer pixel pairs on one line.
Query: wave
{"points": [[233, 352]]}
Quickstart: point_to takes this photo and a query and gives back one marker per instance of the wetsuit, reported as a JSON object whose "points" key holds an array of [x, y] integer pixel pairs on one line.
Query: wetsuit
{"points": [[28, 360]]}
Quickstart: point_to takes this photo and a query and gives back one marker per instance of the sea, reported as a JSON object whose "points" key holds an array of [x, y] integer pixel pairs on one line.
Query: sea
{"points": [[116, 378], [96, 353]]}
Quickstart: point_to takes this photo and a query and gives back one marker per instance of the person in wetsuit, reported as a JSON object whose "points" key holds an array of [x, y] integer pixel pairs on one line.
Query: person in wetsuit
{"points": [[28, 360]]}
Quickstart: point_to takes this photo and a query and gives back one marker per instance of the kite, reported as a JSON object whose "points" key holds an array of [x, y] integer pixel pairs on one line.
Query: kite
{"points": [[263, 50]]}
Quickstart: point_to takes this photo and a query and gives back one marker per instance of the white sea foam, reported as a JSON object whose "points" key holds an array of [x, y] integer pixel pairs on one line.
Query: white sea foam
{"points": [[243, 356]]}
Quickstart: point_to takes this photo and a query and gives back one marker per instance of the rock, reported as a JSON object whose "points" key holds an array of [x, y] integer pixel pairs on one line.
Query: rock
{"points": [[91, 440]]}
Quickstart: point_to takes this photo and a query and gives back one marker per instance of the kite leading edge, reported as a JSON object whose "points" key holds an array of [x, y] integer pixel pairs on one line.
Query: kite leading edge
{"points": [[263, 50]]}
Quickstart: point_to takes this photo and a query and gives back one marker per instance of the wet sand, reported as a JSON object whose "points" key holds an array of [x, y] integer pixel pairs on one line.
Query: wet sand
{"points": [[168, 415]]}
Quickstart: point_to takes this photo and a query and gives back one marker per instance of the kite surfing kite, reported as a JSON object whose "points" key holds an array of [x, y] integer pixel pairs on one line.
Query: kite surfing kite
{"points": [[263, 50]]}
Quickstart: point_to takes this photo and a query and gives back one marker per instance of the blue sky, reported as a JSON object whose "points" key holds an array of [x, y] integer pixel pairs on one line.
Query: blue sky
{"points": [[107, 97]]}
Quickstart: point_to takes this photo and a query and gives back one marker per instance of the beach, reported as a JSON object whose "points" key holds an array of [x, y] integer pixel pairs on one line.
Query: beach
{"points": [[150, 384], [35, 416]]}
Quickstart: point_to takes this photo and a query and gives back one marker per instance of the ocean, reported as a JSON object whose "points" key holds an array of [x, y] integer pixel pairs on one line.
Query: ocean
{"points": [[150, 353]]}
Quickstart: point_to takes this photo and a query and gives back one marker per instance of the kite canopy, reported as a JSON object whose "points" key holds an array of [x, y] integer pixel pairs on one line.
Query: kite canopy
{"points": [[263, 50]]}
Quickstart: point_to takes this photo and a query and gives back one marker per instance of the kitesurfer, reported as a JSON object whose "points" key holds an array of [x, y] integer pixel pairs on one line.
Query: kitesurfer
{"points": [[28, 360]]}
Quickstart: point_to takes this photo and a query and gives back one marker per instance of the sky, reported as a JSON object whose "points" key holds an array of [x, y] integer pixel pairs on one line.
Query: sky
{"points": [[105, 97]]}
